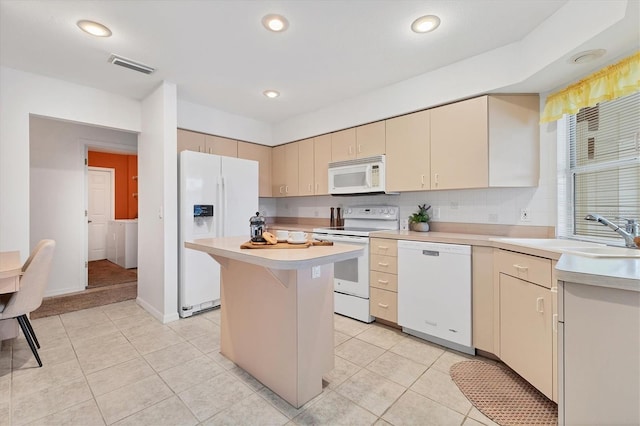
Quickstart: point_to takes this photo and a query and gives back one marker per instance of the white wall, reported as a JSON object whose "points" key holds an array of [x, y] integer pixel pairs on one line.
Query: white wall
{"points": [[158, 205], [485, 206], [57, 193], [215, 122], [22, 94]]}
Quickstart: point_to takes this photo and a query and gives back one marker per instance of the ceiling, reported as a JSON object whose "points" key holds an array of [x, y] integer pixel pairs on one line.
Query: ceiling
{"points": [[220, 56]]}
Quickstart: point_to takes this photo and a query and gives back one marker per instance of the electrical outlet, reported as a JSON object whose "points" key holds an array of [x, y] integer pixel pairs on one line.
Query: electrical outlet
{"points": [[436, 213], [315, 272], [404, 224], [453, 205], [525, 216], [493, 217]]}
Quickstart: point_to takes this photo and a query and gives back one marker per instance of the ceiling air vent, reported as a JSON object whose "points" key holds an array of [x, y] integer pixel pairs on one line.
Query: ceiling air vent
{"points": [[132, 65]]}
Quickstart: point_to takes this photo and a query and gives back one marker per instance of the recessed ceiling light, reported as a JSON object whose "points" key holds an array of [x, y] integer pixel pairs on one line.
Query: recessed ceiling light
{"points": [[94, 28], [275, 23], [587, 56], [271, 93], [425, 24]]}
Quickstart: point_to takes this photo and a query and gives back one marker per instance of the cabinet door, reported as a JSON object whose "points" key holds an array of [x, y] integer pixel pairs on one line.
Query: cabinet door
{"points": [[482, 298], [190, 141], [278, 173], [291, 169], [321, 160], [460, 145], [526, 331], [370, 139], [221, 146], [343, 145], [305, 167], [407, 145], [261, 154]]}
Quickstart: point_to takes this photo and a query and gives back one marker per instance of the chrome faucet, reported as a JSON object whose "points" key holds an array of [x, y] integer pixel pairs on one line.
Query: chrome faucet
{"points": [[632, 228]]}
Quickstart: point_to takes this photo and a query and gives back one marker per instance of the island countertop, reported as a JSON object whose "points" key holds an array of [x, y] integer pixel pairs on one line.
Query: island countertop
{"points": [[229, 247]]}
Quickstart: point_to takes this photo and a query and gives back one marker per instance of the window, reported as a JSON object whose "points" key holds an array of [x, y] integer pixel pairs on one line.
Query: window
{"points": [[599, 168]]}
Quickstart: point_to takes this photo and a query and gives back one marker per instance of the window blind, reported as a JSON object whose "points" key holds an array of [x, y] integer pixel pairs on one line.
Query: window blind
{"points": [[602, 172]]}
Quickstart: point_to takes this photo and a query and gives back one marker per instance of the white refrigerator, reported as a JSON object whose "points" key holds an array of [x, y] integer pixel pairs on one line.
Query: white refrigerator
{"points": [[218, 195]]}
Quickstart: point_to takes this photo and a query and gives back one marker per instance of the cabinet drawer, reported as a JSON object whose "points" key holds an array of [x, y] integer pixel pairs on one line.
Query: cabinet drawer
{"points": [[529, 268], [384, 304], [383, 280], [387, 264], [383, 247]]}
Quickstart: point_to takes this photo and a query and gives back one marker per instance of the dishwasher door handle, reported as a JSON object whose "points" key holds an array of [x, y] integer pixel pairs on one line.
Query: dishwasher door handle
{"points": [[431, 253]]}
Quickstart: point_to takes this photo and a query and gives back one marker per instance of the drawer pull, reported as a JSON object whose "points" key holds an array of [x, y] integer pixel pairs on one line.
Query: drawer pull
{"points": [[540, 305], [383, 264], [383, 281], [383, 247], [521, 268], [382, 305]]}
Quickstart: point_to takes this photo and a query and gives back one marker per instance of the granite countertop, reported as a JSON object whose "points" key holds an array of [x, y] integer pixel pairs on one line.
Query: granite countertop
{"points": [[615, 272], [620, 273], [302, 258]]}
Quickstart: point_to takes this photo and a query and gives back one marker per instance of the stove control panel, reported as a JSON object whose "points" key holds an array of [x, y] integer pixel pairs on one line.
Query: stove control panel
{"points": [[372, 212]]}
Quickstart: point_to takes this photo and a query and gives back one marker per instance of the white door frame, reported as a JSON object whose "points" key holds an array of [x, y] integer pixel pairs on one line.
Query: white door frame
{"points": [[112, 147], [112, 194]]}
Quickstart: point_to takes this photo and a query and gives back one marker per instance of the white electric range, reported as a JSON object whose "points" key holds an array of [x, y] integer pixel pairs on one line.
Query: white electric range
{"points": [[351, 277]]}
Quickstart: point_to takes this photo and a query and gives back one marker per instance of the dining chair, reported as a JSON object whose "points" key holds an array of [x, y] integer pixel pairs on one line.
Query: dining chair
{"points": [[33, 281]]}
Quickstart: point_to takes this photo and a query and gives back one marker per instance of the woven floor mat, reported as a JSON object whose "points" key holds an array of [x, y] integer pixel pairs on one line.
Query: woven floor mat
{"points": [[502, 395]]}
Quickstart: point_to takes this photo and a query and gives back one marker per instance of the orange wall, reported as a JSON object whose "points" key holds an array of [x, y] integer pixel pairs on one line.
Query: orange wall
{"points": [[126, 167]]}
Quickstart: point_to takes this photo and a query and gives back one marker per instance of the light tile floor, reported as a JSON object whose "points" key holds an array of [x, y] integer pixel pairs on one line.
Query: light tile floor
{"points": [[116, 364]]}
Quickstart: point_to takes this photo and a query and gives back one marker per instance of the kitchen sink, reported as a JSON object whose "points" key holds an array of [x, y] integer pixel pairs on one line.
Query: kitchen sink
{"points": [[603, 251], [580, 248]]}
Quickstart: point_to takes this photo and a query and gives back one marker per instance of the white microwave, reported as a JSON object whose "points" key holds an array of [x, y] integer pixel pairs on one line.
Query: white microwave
{"points": [[358, 176]]}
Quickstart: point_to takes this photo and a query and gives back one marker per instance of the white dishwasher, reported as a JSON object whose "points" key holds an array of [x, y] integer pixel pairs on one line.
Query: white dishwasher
{"points": [[434, 293]]}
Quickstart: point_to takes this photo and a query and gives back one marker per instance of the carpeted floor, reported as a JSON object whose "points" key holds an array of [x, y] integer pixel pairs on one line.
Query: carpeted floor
{"points": [[104, 272], [108, 283], [502, 395]]}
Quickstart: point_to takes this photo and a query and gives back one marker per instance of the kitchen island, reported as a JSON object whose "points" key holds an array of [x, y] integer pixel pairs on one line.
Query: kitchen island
{"points": [[277, 312]]}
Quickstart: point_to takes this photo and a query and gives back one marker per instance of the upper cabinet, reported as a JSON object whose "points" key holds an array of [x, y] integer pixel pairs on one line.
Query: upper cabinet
{"points": [[370, 139], [490, 141], [322, 158], [306, 174], [284, 177], [343, 145], [190, 141], [221, 146], [194, 141], [261, 154], [358, 142], [408, 151]]}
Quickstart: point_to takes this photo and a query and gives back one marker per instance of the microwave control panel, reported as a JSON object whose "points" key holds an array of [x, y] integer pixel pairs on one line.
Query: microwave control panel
{"points": [[375, 176]]}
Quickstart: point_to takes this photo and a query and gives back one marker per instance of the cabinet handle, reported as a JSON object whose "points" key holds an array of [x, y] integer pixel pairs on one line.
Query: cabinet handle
{"points": [[422, 179], [436, 178], [286, 189], [382, 305], [383, 247], [521, 268], [383, 264], [199, 149], [281, 189], [383, 281], [359, 148], [317, 187], [309, 187], [540, 305], [349, 149], [555, 323]]}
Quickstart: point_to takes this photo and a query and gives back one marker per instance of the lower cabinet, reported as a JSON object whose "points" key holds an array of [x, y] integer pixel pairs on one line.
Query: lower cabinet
{"points": [[526, 331], [525, 295], [383, 279]]}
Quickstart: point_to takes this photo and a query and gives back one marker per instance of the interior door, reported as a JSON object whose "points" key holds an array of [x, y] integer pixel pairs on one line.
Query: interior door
{"points": [[99, 211]]}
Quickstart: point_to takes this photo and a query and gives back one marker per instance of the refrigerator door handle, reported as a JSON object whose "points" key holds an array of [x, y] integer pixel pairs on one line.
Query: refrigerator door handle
{"points": [[224, 206]]}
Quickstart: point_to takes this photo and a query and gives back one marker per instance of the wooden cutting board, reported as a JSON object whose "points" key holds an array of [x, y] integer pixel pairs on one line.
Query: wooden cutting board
{"points": [[250, 245]]}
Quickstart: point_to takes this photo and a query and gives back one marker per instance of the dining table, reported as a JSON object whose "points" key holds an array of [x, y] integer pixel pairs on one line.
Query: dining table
{"points": [[10, 272]]}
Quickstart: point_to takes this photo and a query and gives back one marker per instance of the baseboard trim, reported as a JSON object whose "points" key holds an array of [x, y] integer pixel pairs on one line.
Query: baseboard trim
{"points": [[163, 318]]}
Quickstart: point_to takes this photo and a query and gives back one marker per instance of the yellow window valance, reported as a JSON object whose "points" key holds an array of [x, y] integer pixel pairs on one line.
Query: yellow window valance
{"points": [[614, 81]]}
